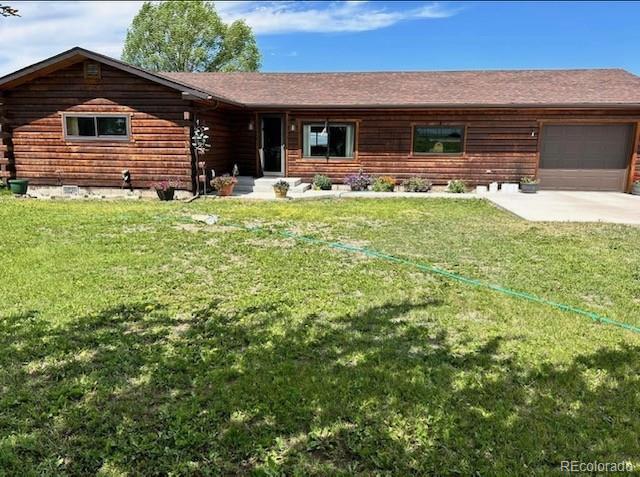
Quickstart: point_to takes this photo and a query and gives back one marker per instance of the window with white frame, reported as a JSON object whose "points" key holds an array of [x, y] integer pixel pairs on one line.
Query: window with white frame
{"points": [[96, 126], [328, 140]]}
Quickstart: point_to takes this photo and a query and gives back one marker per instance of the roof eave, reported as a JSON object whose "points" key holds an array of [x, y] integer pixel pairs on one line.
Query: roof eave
{"points": [[77, 51], [449, 106]]}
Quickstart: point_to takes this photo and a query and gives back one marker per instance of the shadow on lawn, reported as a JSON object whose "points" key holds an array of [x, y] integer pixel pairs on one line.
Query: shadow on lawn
{"points": [[387, 390]]}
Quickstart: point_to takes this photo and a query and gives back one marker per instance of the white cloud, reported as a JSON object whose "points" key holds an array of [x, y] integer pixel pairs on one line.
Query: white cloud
{"points": [[324, 17], [47, 28]]}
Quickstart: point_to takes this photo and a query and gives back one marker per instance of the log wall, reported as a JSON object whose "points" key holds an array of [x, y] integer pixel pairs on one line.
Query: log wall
{"points": [[636, 159], [6, 148], [500, 145], [159, 146]]}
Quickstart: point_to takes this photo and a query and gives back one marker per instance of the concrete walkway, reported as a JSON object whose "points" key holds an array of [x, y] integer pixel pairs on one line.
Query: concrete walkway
{"points": [[569, 206], [335, 194]]}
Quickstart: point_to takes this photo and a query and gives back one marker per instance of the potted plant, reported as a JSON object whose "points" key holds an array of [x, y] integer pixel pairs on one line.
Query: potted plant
{"points": [[165, 189], [529, 185], [224, 184], [281, 188], [384, 184], [358, 182], [19, 186], [636, 188]]}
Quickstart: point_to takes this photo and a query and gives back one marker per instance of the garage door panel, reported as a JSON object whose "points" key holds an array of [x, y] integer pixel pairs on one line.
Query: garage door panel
{"points": [[605, 146], [582, 179], [585, 156]]}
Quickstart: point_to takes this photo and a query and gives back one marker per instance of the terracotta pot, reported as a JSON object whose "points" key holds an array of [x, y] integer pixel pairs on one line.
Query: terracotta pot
{"points": [[226, 190], [165, 194], [280, 193]]}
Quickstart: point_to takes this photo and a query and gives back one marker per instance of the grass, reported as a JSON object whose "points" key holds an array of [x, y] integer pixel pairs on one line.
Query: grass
{"points": [[134, 341]]}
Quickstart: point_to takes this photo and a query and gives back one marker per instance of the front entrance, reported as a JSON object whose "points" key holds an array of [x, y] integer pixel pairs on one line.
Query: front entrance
{"points": [[585, 156], [272, 146]]}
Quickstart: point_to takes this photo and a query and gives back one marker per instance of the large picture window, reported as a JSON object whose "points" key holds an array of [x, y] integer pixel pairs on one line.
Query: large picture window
{"points": [[438, 139], [328, 140], [96, 127]]}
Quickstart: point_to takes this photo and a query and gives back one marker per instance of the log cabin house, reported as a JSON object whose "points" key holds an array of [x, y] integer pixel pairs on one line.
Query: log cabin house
{"points": [[81, 118]]}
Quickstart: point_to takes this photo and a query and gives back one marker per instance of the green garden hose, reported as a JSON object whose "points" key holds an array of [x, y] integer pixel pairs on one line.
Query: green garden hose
{"points": [[444, 273]]}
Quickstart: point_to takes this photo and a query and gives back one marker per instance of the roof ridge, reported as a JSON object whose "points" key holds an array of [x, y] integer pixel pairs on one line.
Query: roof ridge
{"points": [[285, 73]]}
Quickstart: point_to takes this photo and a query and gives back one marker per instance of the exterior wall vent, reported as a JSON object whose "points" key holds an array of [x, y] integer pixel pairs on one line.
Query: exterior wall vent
{"points": [[91, 70], [70, 190]]}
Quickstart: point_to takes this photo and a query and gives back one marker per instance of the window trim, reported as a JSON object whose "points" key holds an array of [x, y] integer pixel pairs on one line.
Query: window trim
{"points": [[95, 116], [328, 121], [464, 127]]}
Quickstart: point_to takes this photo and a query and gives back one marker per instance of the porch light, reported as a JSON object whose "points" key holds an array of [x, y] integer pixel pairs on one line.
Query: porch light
{"points": [[251, 125], [292, 126]]}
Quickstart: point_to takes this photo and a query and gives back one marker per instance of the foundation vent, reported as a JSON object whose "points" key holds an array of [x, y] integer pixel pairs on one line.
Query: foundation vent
{"points": [[70, 190]]}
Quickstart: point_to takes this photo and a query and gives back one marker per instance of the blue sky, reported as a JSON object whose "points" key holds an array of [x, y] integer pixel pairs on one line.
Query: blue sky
{"points": [[364, 36]]}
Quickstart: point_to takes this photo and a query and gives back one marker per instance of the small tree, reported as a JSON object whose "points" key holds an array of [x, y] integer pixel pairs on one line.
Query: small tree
{"points": [[185, 35]]}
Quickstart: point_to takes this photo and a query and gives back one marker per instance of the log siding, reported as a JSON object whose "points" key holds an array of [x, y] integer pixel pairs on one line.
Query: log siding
{"points": [[158, 148], [500, 145]]}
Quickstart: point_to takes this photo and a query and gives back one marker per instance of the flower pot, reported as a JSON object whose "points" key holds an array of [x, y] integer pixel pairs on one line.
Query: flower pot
{"points": [[280, 193], [529, 188], [636, 189], [226, 190], [19, 186], [165, 194]]}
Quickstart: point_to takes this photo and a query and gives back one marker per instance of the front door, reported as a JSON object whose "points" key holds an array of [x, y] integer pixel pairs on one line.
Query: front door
{"points": [[272, 150]]}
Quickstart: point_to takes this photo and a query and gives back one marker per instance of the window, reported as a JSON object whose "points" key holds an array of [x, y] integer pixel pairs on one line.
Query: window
{"points": [[438, 139], [96, 127], [328, 140]]}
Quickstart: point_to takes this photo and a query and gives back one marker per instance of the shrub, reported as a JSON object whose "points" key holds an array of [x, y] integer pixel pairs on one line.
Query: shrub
{"points": [[281, 185], [456, 186], [321, 182], [384, 184], [225, 180], [528, 180], [358, 181], [416, 184]]}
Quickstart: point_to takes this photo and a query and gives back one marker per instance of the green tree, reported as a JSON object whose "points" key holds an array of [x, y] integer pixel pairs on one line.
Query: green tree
{"points": [[181, 35]]}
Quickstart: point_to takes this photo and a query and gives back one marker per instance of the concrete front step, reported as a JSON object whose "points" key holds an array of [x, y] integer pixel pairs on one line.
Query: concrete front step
{"points": [[248, 184]]}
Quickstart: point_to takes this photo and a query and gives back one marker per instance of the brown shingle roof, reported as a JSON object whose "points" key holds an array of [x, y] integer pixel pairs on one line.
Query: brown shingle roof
{"points": [[596, 87]]}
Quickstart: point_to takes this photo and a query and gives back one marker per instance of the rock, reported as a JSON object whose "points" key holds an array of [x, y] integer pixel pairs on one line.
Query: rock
{"points": [[207, 219]]}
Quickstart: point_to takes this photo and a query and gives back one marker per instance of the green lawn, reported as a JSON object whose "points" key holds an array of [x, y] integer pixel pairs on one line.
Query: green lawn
{"points": [[134, 341]]}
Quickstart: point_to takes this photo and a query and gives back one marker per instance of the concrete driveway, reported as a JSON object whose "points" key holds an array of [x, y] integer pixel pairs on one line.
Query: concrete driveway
{"points": [[569, 206]]}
